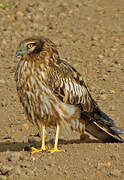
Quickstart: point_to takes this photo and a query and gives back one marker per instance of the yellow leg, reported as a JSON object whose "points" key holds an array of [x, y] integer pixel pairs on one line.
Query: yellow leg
{"points": [[43, 148], [55, 149]]}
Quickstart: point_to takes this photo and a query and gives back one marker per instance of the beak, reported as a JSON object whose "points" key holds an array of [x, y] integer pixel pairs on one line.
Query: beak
{"points": [[19, 52]]}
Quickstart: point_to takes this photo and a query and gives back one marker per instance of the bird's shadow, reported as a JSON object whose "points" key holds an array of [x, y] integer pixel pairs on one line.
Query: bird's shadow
{"points": [[20, 146]]}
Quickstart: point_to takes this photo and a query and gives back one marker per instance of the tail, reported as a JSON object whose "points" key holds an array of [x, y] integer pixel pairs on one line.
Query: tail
{"points": [[103, 127]]}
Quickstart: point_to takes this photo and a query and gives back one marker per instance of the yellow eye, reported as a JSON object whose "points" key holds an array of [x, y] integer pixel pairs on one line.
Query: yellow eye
{"points": [[29, 46]]}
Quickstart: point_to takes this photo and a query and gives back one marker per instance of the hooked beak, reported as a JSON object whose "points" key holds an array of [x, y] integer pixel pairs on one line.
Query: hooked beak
{"points": [[19, 52]]}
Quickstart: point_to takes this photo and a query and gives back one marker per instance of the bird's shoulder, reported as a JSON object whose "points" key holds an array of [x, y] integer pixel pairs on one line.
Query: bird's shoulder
{"points": [[68, 84], [61, 71]]}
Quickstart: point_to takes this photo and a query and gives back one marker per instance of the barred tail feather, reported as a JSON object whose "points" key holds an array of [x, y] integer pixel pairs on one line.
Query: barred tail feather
{"points": [[102, 133], [104, 128]]}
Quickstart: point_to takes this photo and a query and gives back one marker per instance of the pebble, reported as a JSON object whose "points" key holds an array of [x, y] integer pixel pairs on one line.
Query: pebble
{"points": [[103, 96], [4, 103], [94, 38], [110, 54], [105, 77], [4, 42], [102, 91], [104, 164], [100, 56], [112, 91], [20, 13]]}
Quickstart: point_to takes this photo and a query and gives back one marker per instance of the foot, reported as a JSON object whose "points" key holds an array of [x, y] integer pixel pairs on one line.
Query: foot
{"points": [[55, 150], [35, 150]]}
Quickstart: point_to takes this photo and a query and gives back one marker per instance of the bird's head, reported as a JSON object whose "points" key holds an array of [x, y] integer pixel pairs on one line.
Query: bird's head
{"points": [[35, 45]]}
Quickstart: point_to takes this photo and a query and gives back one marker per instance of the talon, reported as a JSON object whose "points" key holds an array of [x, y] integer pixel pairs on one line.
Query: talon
{"points": [[55, 150], [35, 150]]}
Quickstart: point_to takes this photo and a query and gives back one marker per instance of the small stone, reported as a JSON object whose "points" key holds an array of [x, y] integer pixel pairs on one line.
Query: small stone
{"points": [[112, 91], [103, 164], [102, 91], [46, 168], [108, 164], [100, 56], [4, 103], [4, 42], [110, 54], [114, 49], [49, 164], [3, 177], [93, 38], [103, 96], [20, 13], [105, 77]]}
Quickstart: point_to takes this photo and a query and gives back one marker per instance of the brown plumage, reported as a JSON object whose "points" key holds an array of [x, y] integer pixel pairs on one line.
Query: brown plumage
{"points": [[52, 93]]}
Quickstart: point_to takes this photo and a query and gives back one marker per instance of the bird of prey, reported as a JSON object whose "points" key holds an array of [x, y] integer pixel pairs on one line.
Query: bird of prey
{"points": [[53, 93]]}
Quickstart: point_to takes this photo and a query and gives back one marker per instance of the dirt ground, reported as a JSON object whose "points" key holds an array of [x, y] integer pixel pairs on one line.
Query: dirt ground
{"points": [[90, 36]]}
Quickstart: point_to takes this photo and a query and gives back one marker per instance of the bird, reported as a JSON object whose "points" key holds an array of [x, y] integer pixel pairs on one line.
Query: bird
{"points": [[54, 94]]}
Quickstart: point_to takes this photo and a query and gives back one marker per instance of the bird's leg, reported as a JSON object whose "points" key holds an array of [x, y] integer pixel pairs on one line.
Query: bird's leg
{"points": [[43, 148], [55, 149]]}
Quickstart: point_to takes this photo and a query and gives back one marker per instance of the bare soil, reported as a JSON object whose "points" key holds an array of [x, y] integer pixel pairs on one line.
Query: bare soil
{"points": [[90, 36]]}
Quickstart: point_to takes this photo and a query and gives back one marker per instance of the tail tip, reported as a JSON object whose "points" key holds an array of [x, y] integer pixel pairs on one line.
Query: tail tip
{"points": [[117, 130]]}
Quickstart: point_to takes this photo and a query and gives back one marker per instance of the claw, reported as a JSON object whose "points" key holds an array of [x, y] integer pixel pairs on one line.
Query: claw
{"points": [[35, 150], [55, 150]]}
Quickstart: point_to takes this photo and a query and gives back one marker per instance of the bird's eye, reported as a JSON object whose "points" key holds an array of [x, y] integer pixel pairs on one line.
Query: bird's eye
{"points": [[29, 46]]}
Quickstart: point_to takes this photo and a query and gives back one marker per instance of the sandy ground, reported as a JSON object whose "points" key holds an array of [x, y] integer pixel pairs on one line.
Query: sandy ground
{"points": [[90, 36]]}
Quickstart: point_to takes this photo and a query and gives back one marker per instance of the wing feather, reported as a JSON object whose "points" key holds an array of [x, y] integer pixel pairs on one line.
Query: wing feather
{"points": [[69, 86]]}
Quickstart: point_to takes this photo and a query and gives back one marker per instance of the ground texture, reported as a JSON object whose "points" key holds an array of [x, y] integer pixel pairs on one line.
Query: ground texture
{"points": [[90, 36]]}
